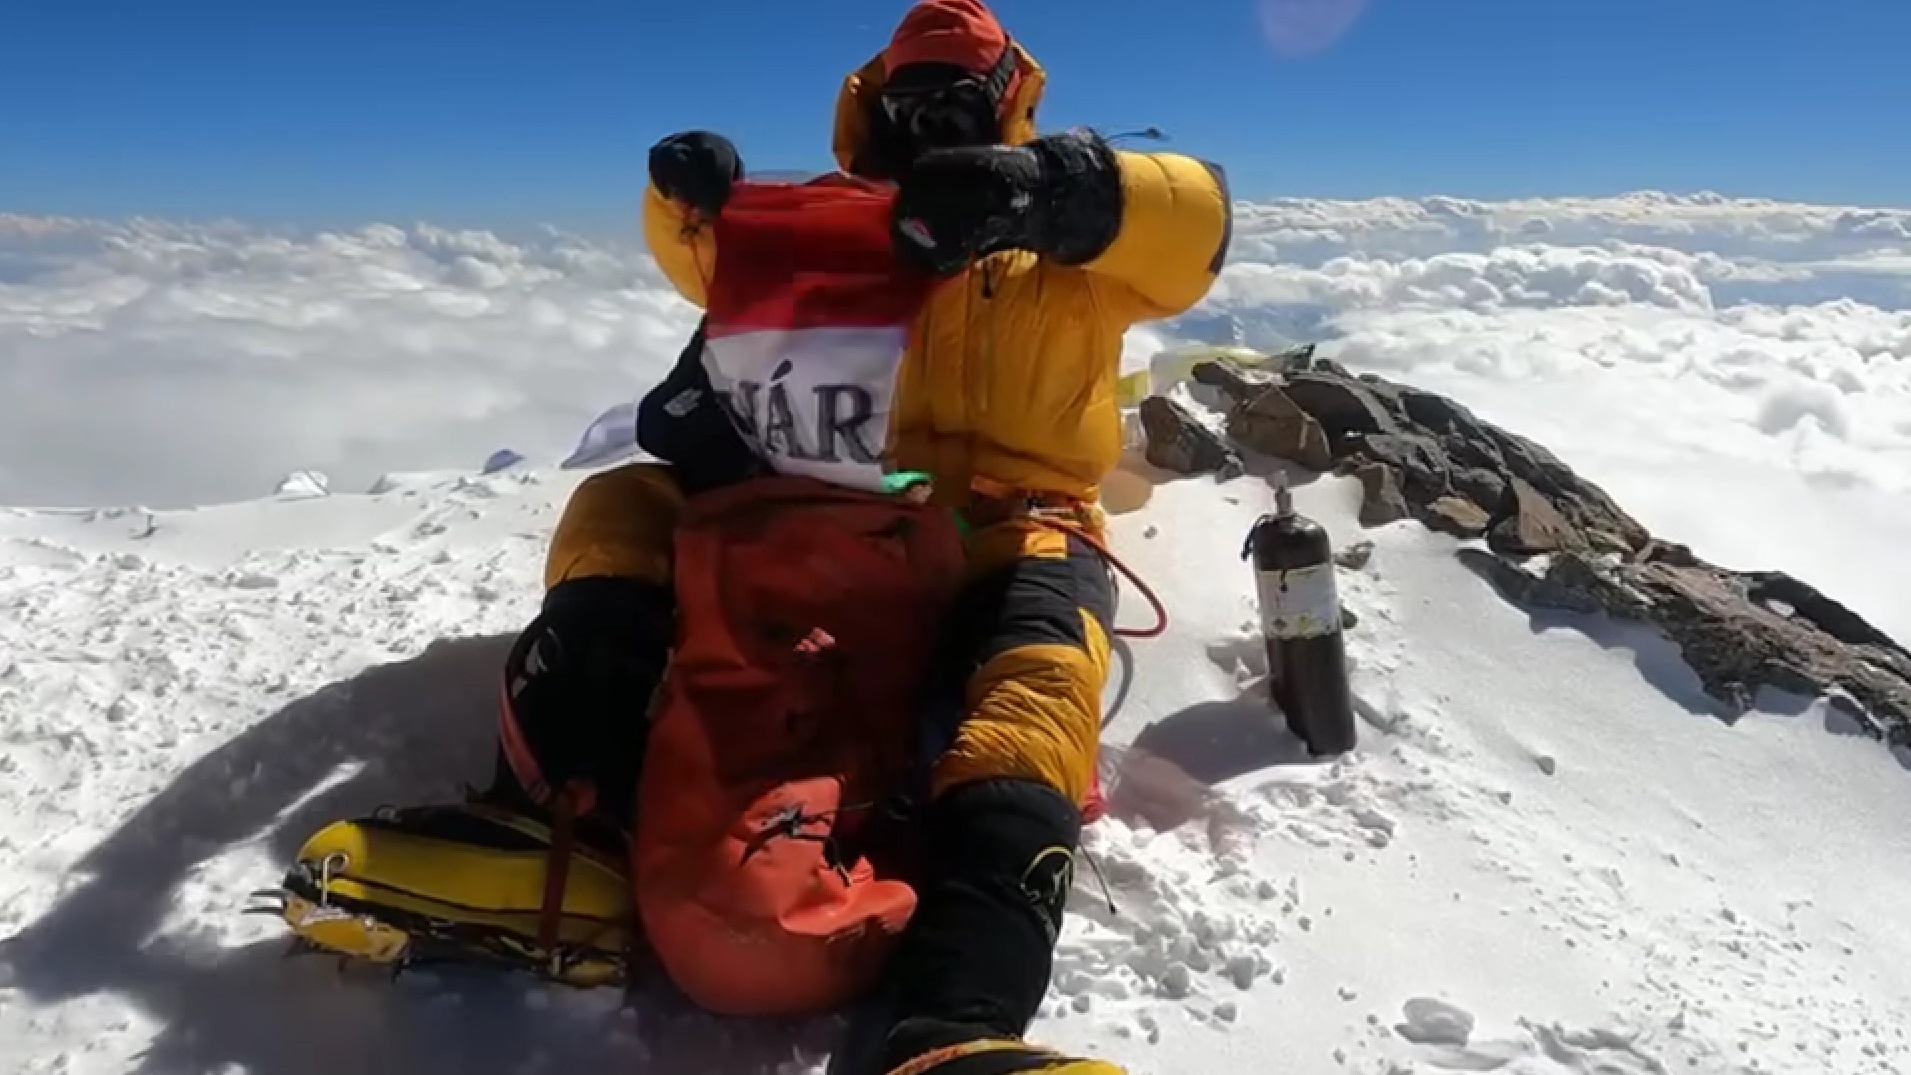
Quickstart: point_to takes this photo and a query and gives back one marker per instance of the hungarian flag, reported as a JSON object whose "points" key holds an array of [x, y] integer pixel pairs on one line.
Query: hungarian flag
{"points": [[809, 313]]}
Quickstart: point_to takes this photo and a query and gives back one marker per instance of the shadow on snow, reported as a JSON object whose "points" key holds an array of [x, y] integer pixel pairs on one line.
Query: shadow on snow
{"points": [[414, 730]]}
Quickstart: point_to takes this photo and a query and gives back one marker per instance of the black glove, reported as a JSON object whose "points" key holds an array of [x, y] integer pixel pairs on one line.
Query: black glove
{"points": [[956, 204], [683, 422], [696, 168], [1059, 196]]}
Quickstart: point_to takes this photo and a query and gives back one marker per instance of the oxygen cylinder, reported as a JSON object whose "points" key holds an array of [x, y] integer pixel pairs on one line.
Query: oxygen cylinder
{"points": [[1300, 625]]}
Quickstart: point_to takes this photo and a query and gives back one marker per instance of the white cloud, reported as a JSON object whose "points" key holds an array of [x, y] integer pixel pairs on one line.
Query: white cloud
{"points": [[1760, 249], [1696, 223], [1508, 276], [171, 364], [1736, 371]]}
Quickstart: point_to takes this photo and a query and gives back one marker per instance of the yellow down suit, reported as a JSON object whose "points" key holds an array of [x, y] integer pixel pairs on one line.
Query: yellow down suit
{"points": [[1008, 387]]}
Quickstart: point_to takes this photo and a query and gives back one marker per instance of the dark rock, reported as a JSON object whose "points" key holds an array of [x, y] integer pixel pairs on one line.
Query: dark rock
{"points": [[1483, 487], [1604, 583], [1381, 502], [1422, 464], [1667, 552], [1345, 408], [1583, 504], [1305, 358], [1387, 394], [1439, 415], [1293, 360], [1472, 443], [1566, 581], [1468, 441], [1558, 541], [1528, 589], [1441, 447], [1234, 382], [1532, 525], [1481, 454], [1892, 658], [1273, 425], [1457, 516], [1178, 441], [1737, 646], [1820, 611], [1355, 556], [1348, 619], [1605, 541]]}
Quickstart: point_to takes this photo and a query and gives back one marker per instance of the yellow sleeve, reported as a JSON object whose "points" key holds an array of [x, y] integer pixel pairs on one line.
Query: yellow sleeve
{"points": [[683, 245], [851, 128], [1176, 222]]}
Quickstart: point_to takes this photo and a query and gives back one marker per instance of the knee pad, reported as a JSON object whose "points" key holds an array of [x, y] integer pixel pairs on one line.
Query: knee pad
{"points": [[577, 690]]}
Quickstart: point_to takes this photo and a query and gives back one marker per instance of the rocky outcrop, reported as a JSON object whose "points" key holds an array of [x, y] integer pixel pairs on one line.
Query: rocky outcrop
{"points": [[1381, 501], [1553, 539], [1181, 442], [1458, 516], [1437, 451], [1737, 641]]}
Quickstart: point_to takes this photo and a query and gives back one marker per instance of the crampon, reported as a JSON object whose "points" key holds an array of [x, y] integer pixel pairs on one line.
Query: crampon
{"points": [[465, 883]]}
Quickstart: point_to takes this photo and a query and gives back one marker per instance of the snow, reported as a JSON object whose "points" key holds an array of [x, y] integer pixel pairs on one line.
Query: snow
{"points": [[1545, 857], [282, 595]]}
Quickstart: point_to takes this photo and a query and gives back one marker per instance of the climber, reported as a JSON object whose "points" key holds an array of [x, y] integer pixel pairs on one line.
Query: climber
{"points": [[1050, 247], [1008, 399]]}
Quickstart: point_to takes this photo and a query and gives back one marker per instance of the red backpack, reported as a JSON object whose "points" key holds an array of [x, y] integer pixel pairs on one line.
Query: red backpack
{"points": [[769, 871]]}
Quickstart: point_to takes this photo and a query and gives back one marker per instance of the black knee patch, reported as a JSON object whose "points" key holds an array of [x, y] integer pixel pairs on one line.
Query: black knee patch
{"points": [[979, 949], [580, 680], [1033, 601], [610, 601]]}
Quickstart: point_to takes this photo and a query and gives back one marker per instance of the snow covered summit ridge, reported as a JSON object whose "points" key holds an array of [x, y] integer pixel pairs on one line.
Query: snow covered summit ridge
{"points": [[1545, 857]]}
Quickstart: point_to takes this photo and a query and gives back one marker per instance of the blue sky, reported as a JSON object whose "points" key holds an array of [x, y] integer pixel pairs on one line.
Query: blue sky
{"points": [[486, 112]]}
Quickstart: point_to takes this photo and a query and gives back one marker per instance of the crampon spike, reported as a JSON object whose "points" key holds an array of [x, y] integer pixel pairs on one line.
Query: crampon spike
{"points": [[274, 902]]}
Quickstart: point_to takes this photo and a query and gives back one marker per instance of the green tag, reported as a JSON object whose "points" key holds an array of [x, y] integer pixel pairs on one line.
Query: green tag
{"points": [[902, 481]]}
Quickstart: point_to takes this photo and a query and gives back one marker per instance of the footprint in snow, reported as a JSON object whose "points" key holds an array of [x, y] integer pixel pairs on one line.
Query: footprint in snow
{"points": [[1435, 1022], [1243, 656], [1443, 1033]]}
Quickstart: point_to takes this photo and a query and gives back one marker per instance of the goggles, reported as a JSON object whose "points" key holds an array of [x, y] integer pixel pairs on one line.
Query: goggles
{"points": [[958, 115], [963, 111]]}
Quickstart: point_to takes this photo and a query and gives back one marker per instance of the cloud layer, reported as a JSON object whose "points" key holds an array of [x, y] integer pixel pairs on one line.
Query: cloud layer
{"points": [[1736, 371], [167, 364]]}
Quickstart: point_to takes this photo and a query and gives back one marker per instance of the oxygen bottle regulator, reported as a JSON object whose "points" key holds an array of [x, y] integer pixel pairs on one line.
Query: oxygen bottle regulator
{"points": [[1300, 626]]}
